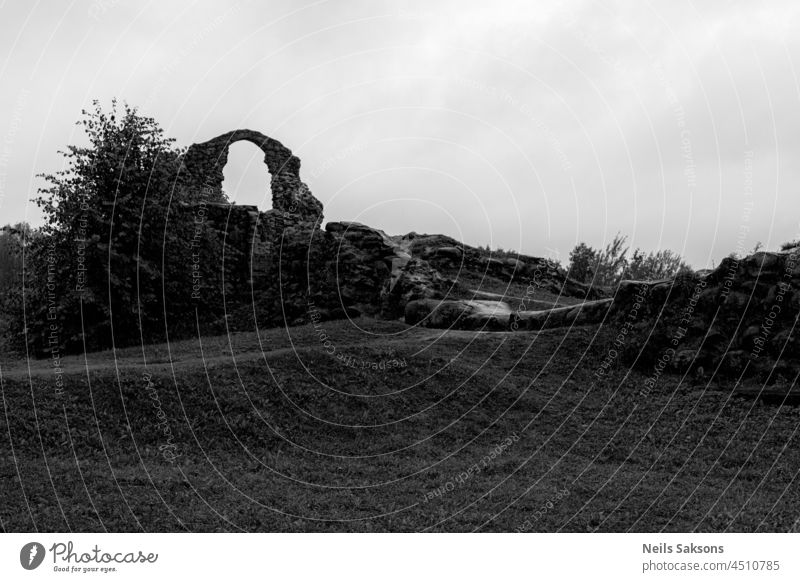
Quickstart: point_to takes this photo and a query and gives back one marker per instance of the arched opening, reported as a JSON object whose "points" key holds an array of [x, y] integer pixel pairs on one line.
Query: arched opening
{"points": [[246, 176]]}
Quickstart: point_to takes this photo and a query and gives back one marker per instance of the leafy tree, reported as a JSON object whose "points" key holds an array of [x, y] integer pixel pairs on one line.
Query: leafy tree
{"points": [[655, 265], [114, 255], [612, 261], [582, 263], [12, 240]]}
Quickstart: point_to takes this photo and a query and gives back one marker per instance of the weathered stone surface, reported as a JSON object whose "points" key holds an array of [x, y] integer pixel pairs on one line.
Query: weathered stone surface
{"points": [[450, 257], [453, 254], [412, 280], [735, 319], [377, 274], [459, 314], [245, 235], [362, 263]]}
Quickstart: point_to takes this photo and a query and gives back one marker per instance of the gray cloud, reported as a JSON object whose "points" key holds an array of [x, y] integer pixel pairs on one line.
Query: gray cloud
{"points": [[503, 122]]}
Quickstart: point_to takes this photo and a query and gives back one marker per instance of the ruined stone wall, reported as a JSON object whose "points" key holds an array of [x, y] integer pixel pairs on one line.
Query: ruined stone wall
{"points": [[244, 240], [251, 240], [739, 319]]}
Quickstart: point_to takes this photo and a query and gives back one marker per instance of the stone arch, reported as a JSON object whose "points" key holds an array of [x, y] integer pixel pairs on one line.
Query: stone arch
{"points": [[203, 165]]}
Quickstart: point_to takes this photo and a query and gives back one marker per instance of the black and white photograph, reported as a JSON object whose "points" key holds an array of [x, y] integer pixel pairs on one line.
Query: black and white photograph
{"points": [[289, 267]]}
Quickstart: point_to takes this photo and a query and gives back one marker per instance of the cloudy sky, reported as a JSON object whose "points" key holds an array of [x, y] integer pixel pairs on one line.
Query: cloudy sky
{"points": [[519, 124]]}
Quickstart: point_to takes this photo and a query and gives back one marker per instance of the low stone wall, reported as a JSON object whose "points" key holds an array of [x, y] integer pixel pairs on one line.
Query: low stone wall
{"points": [[459, 314], [486, 315], [584, 313]]}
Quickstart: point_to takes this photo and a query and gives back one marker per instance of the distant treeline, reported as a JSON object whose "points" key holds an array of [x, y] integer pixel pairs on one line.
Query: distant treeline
{"points": [[608, 266]]}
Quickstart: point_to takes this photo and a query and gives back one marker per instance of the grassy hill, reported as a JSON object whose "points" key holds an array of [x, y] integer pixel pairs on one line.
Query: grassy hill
{"points": [[368, 425]]}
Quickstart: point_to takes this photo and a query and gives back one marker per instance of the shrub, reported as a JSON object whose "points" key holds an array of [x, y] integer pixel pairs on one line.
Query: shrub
{"points": [[112, 255], [607, 267]]}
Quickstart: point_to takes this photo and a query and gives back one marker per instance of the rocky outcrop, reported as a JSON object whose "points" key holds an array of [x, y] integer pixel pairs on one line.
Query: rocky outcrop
{"points": [[376, 273], [415, 279], [451, 258], [362, 262]]}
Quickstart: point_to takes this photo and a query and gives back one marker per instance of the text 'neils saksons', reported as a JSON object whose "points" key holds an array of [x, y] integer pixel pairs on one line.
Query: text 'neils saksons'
{"points": [[663, 548]]}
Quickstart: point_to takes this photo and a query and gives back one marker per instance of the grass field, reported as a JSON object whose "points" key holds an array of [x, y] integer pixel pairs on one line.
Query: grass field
{"points": [[375, 426]]}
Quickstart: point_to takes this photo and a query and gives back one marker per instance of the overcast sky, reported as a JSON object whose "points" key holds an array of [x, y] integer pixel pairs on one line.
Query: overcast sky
{"points": [[524, 125]]}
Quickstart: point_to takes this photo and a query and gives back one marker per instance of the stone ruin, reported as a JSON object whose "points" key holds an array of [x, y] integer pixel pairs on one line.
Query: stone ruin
{"points": [[736, 319], [252, 238], [283, 260]]}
